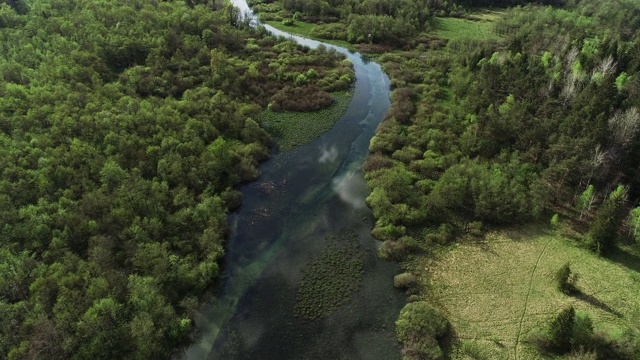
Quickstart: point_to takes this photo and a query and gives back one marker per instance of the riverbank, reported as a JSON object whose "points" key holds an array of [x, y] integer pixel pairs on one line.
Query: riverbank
{"points": [[304, 198]]}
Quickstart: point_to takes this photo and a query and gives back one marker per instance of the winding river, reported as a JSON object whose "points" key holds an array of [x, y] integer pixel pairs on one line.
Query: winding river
{"points": [[301, 197]]}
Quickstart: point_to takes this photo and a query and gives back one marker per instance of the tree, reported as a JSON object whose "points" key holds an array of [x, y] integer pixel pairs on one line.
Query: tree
{"points": [[586, 200], [604, 228], [561, 331], [634, 223], [566, 280], [582, 337]]}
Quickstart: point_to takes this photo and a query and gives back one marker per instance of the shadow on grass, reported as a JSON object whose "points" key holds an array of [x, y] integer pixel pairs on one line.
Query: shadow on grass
{"points": [[625, 257], [593, 301]]}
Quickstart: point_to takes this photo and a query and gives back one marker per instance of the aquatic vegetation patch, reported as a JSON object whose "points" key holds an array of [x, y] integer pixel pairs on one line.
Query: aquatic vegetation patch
{"points": [[329, 279], [291, 129]]}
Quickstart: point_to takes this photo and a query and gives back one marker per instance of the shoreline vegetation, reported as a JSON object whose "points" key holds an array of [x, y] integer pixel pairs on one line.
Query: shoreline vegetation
{"points": [[503, 119]]}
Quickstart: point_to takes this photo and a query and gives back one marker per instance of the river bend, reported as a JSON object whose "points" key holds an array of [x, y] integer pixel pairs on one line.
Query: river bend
{"points": [[301, 197]]}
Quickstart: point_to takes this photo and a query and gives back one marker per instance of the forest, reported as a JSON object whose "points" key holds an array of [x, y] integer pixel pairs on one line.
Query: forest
{"points": [[539, 120], [391, 24], [125, 130]]}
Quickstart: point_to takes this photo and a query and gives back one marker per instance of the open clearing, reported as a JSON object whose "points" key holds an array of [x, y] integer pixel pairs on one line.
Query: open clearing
{"points": [[495, 292], [478, 27]]}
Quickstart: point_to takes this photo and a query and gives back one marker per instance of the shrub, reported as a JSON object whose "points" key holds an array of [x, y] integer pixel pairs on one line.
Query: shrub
{"points": [[420, 327], [377, 162], [474, 228], [442, 236], [566, 280], [582, 354], [335, 31], [409, 243], [389, 232], [392, 250], [304, 98], [404, 280], [582, 334]]}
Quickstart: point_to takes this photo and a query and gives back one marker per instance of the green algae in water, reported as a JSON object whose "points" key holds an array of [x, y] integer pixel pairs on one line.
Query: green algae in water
{"points": [[329, 279]]}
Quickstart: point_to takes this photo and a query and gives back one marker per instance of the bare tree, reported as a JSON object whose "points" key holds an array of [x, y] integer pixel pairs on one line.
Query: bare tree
{"points": [[607, 66], [624, 127], [599, 157], [571, 77], [572, 55]]}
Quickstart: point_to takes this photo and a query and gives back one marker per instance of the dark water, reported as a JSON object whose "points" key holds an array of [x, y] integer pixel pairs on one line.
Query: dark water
{"points": [[301, 197]]}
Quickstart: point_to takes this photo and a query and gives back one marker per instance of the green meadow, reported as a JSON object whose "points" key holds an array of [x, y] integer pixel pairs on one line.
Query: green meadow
{"points": [[479, 26], [498, 291]]}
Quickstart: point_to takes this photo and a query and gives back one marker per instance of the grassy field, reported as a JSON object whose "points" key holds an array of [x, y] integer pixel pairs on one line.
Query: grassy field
{"points": [[478, 27], [496, 292], [291, 129]]}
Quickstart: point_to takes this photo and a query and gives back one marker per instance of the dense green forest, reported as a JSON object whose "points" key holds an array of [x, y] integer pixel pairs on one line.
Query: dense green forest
{"points": [[390, 24], [499, 131], [125, 127], [508, 131], [539, 118]]}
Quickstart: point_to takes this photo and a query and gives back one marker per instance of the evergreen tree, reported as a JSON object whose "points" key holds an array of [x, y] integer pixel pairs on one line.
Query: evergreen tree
{"points": [[566, 279], [561, 330], [604, 228]]}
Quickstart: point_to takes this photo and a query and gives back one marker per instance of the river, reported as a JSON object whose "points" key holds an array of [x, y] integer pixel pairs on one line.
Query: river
{"points": [[301, 197]]}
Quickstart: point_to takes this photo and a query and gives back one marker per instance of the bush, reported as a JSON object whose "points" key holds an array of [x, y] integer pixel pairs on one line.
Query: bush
{"points": [[404, 280], [582, 336], [389, 232], [442, 236], [392, 250], [335, 31], [582, 354], [410, 243], [566, 280], [420, 327], [304, 98], [474, 228]]}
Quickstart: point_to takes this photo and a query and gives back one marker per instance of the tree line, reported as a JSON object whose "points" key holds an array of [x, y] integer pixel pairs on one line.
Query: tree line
{"points": [[394, 24]]}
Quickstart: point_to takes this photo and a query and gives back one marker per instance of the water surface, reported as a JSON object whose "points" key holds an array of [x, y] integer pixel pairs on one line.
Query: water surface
{"points": [[301, 197]]}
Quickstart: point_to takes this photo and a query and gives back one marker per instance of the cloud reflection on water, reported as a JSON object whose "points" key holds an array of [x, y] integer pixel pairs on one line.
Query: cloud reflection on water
{"points": [[328, 155], [350, 188]]}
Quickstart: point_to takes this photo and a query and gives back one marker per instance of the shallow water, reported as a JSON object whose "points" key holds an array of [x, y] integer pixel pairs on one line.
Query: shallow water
{"points": [[301, 197]]}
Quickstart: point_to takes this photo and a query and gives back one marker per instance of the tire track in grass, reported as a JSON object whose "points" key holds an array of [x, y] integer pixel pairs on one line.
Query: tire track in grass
{"points": [[526, 299]]}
